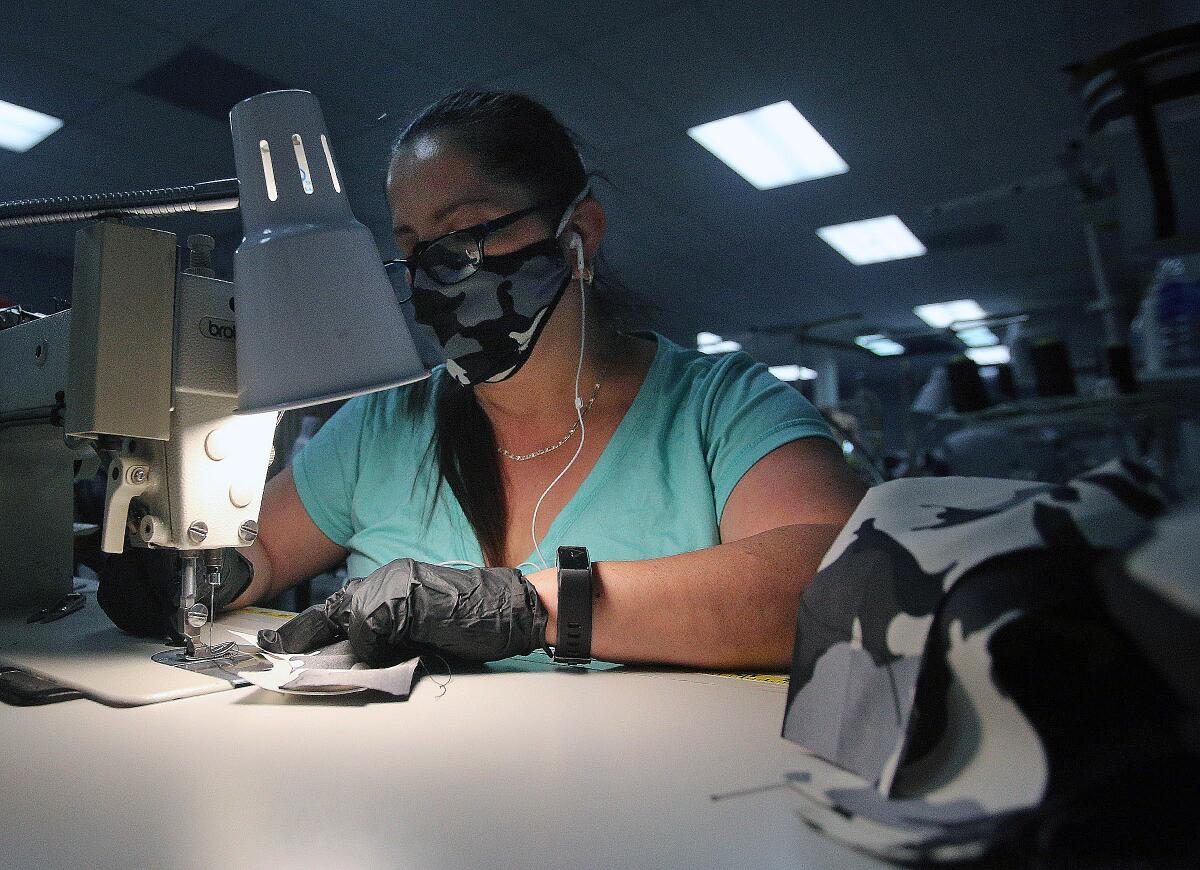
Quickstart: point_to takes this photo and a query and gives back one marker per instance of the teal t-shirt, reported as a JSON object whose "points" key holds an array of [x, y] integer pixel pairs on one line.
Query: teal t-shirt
{"points": [[697, 425]]}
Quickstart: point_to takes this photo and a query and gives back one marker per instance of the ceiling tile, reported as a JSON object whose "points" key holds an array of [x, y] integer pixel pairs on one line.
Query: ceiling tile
{"points": [[458, 43], [578, 23], [81, 157], [185, 18], [682, 66], [32, 80], [1004, 92], [600, 113], [86, 36], [821, 44], [203, 82], [362, 147], [137, 118], [348, 71]]}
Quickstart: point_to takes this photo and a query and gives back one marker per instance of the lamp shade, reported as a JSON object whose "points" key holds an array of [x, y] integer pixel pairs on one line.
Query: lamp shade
{"points": [[317, 318]]}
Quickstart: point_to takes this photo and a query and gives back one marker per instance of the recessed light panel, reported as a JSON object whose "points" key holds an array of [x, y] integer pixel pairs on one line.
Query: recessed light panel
{"points": [[990, 356], [770, 147], [880, 345], [977, 336], [710, 342], [22, 128], [873, 241], [939, 315], [793, 373]]}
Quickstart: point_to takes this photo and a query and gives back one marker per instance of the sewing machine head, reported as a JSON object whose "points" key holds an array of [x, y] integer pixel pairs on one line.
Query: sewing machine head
{"points": [[142, 371], [147, 371]]}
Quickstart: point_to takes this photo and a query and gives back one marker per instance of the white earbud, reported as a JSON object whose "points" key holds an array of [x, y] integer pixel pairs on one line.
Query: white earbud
{"points": [[576, 245]]}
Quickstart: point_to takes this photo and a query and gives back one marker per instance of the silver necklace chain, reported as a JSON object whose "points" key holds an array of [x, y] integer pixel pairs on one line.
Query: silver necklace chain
{"points": [[522, 457]]}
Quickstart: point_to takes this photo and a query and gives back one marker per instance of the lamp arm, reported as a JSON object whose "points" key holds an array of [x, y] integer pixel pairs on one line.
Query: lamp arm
{"points": [[219, 195]]}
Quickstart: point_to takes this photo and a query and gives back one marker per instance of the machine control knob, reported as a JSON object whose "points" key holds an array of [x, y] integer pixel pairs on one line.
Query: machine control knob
{"points": [[216, 444], [240, 494]]}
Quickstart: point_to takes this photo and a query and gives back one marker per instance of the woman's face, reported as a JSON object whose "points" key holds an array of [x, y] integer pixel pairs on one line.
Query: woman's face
{"points": [[433, 189]]}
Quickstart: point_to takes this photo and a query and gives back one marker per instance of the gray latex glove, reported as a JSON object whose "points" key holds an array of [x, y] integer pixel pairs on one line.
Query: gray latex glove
{"points": [[139, 589], [407, 608]]}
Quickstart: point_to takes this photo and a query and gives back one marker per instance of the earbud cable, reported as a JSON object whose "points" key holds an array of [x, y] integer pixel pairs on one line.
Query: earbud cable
{"points": [[578, 414]]}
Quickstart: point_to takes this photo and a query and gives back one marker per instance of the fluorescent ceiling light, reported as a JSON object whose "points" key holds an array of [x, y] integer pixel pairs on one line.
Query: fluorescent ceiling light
{"points": [[990, 356], [793, 373], [880, 345], [977, 336], [710, 342], [873, 241], [771, 146], [939, 315], [21, 128]]}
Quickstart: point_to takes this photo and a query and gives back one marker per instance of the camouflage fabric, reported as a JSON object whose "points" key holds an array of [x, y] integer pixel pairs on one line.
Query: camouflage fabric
{"points": [[488, 323], [956, 668]]}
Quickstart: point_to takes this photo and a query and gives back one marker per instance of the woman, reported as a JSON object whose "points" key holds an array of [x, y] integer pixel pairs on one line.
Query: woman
{"points": [[706, 490]]}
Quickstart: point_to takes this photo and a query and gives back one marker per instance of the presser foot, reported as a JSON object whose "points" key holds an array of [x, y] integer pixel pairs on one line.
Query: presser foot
{"points": [[195, 651]]}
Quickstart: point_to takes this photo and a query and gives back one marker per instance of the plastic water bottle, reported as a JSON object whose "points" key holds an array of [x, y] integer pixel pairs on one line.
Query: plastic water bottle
{"points": [[1177, 310]]}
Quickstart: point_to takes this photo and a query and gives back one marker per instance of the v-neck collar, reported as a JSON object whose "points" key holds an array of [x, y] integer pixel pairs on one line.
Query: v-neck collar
{"points": [[623, 437]]}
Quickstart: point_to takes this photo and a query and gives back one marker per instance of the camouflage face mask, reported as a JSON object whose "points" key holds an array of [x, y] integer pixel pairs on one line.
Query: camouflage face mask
{"points": [[488, 323]]}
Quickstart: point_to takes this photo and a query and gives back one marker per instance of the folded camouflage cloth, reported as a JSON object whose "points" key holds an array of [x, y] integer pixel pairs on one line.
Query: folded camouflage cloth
{"points": [[958, 678]]}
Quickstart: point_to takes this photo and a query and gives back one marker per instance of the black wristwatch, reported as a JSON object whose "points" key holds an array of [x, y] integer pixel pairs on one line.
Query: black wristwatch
{"points": [[574, 646]]}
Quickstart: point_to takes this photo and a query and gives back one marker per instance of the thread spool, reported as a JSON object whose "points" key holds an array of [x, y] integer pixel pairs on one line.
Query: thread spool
{"points": [[1120, 367], [967, 392], [1006, 381], [1052, 372]]}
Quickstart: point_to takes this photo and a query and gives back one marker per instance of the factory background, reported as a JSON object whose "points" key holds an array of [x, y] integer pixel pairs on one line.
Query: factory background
{"points": [[977, 126], [968, 232]]}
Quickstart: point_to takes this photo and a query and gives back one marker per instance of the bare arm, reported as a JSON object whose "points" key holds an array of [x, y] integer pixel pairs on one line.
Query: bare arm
{"points": [[290, 547], [732, 605]]}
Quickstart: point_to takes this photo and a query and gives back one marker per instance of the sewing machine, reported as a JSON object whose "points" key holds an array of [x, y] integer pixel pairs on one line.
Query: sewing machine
{"points": [[140, 374], [172, 380]]}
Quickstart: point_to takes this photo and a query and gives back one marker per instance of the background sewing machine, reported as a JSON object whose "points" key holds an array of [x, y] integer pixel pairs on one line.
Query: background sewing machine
{"points": [[172, 379]]}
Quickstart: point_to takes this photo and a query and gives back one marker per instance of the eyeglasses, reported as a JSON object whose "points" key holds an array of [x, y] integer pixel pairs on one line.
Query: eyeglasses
{"points": [[450, 258]]}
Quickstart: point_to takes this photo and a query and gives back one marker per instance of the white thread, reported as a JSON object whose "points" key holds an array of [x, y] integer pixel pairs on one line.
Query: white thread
{"points": [[429, 672]]}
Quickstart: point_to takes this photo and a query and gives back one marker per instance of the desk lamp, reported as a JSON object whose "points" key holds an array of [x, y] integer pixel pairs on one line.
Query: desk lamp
{"points": [[316, 315]]}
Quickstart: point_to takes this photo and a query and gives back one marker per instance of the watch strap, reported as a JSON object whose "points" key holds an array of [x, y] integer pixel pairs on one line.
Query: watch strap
{"points": [[574, 640]]}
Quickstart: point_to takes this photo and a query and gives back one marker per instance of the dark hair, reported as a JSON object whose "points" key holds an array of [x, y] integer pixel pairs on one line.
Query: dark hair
{"points": [[517, 141]]}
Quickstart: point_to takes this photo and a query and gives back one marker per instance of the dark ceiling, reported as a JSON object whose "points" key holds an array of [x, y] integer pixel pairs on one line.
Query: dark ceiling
{"points": [[928, 101]]}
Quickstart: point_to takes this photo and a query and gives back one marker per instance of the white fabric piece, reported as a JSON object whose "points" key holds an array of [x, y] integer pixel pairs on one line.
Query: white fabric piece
{"points": [[290, 676]]}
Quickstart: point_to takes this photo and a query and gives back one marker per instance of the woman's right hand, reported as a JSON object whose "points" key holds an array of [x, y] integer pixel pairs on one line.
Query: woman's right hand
{"points": [[139, 589]]}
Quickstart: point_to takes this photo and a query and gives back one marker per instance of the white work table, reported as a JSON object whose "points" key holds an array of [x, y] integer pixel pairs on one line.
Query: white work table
{"points": [[521, 766]]}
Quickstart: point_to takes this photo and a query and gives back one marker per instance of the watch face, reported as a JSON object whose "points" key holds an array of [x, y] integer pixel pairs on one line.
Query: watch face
{"points": [[573, 557]]}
